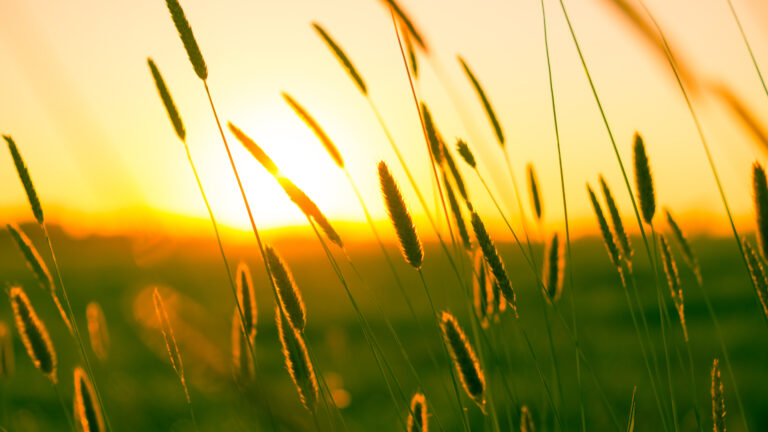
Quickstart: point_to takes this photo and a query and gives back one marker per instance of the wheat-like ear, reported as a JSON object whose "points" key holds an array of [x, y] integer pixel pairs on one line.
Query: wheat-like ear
{"points": [[526, 420], [33, 333], [464, 359], [417, 418], [533, 190], [494, 261], [718, 398], [434, 141], [242, 360], [97, 330], [605, 231], [400, 217], [618, 225], [457, 178], [482, 289], [644, 180], [170, 340], [87, 410], [6, 352], [256, 151], [188, 38], [297, 360], [758, 275], [342, 57], [554, 264], [412, 31], [673, 281], [463, 148], [319, 132], [688, 256], [165, 96], [485, 101], [246, 296], [310, 209], [457, 216], [26, 180], [287, 291], [760, 197]]}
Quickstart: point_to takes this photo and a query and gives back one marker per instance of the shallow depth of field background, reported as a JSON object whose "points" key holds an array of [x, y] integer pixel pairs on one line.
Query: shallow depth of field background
{"points": [[127, 215]]}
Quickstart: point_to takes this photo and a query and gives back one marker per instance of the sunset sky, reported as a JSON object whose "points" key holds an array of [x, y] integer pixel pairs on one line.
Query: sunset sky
{"points": [[79, 100]]}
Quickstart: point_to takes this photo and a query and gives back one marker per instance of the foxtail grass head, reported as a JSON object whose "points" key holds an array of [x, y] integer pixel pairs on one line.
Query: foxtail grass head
{"points": [[526, 420], [554, 265], [466, 153], [760, 197], [618, 225], [165, 96], [417, 418], [455, 174], [242, 360], [287, 291], [688, 255], [32, 257], [412, 30], [644, 181], [98, 332], [170, 339], [342, 58], [464, 359], [6, 352], [486, 103], [333, 152], [482, 289], [458, 217], [33, 334], [757, 273], [605, 231], [718, 398], [533, 191], [246, 296], [188, 39], [88, 416], [434, 141], [494, 261], [256, 151], [26, 180], [400, 217], [297, 361], [673, 281]]}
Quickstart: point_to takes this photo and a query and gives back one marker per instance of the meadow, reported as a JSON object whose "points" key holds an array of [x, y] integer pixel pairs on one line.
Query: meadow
{"points": [[446, 323]]}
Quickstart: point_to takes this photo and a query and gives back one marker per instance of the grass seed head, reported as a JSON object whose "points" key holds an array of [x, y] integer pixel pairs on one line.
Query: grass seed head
{"points": [[486, 103], [287, 291], [401, 218], [98, 332], [319, 132], [618, 225], [87, 410], [342, 57], [26, 180], [165, 96], [417, 418], [297, 361], [188, 39], [33, 334], [760, 197], [644, 181], [554, 265], [494, 261], [605, 231], [464, 359], [718, 399], [246, 296]]}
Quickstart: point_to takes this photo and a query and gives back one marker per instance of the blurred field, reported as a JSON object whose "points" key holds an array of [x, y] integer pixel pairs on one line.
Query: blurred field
{"points": [[143, 394]]}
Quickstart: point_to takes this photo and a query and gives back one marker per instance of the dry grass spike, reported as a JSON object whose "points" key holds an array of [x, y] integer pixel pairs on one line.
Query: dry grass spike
{"points": [[644, 180], [464, 359], [188, 39], [33, 334], [297, 361], [287, 291], [98, 332], [494, 261], [319, 132], [26, 180], [417, 417], [88, 416], [400, 217]]}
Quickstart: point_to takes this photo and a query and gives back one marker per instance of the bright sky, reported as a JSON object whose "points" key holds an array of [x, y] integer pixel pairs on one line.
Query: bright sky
{"points": [[78, 98]]}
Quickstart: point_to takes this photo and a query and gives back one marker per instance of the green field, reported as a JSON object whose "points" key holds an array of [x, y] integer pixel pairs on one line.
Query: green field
{"points": [[141, 391]]}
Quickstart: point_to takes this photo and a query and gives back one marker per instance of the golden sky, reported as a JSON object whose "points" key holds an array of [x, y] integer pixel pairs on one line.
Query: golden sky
{"points": [[78, 98]]}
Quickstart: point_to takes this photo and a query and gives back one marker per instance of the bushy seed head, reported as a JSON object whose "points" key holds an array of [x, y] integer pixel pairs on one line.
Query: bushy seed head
{"points": [[533, 190], [466, 153], [760, 197], [494, 261], [417, 418], [757, 273], [256, 151], [297, 360], [87, 410], [605, 231], [464, 358], [618, 225], [33, 334], [32, 257], [26, 180], [287, 291], [718, 398], [486, 103], [644, 181], [554, 264], [98, 332], [400, 217], [414, 63], [188, 39], [319, 132], [341, 57], [246, 296], [165, 96], [673, 281]]}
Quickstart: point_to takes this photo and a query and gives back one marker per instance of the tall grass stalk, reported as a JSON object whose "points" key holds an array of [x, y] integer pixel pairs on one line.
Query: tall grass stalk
{"points": [[565, 215], [747, 45], [37, 210], [700, 131]]}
